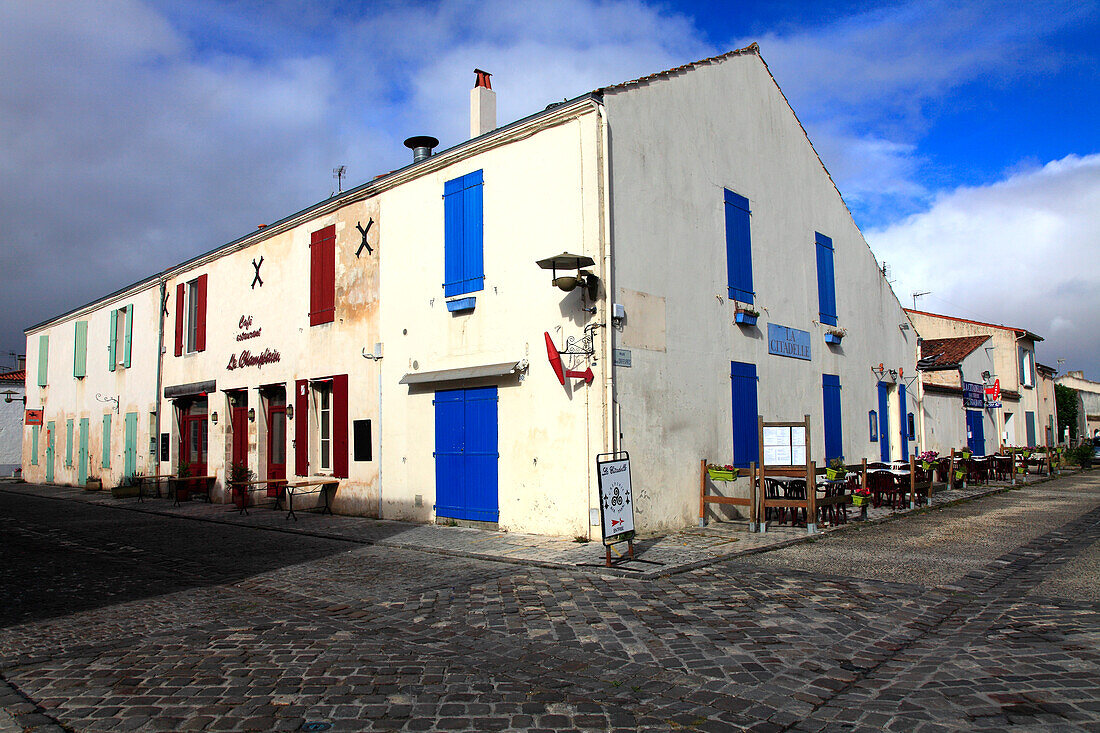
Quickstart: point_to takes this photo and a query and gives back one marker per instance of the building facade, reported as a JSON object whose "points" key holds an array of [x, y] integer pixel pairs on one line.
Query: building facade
{"points": [[649, 268], [12, 389], [1006, 364], [1088, 402]]}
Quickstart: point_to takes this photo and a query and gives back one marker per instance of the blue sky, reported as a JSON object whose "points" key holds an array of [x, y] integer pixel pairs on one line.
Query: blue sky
{"points": [[963, 136]]}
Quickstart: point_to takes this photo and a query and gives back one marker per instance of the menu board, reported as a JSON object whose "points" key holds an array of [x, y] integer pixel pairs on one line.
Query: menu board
{"points": [[785, 446]]}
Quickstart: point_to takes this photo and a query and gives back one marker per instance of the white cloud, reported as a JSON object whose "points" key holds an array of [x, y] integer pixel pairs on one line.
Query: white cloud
{"points": [[1024, 251]]}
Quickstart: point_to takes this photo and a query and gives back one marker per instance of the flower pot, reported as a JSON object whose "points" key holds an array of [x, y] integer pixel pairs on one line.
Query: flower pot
{"points": [[93, 484], [745, 319], [858, 500], [835, 473], [926, 465], [124, 492], [718, 474], [960, 475], [833, 338]]}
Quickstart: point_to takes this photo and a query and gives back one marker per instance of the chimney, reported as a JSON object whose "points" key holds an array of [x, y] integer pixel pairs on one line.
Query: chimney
{"points": [[421, 145], [483, 105]]}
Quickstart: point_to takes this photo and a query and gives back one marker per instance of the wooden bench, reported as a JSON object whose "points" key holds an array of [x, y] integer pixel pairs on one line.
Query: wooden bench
{"points": [[190, 485], [313, 486]]}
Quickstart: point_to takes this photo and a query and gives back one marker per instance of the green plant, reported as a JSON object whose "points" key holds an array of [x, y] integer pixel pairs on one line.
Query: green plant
{"points": [[240, 473], [837, 464], [1082, 454], [581, 538], [132, 479], [184, 469]]}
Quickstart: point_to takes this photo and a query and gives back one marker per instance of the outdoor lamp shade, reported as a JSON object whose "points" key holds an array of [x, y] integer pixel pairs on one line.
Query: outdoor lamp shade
{"points": [[251, 414], [566, 282], [290, 412]]}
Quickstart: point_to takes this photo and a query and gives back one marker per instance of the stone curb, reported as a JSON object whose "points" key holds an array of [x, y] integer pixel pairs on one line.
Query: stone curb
{"points": [[18, 714]]}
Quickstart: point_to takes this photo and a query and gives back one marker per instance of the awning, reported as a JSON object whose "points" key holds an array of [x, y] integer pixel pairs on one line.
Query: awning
{"points": [[463, 373], [188, 390]]}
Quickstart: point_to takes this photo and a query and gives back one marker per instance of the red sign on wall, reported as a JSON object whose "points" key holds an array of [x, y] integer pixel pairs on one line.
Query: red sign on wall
{"points": [[32, 417]]}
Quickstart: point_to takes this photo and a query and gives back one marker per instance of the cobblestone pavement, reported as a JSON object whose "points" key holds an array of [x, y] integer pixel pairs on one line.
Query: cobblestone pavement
{"points": [[116, 620]]}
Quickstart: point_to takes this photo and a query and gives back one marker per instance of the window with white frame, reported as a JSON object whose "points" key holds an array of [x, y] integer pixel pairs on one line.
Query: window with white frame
{"points": [[322, 400]]}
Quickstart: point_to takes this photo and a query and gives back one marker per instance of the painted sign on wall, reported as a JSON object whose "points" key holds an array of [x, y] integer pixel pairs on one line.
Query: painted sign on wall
{"points": [[790, 342], [33, 417], [246, 358]]}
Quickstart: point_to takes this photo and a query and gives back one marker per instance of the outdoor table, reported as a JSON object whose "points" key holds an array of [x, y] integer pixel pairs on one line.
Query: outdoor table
{"points": [[203, 485], [249, 486], [316, 486], [155, 480]]}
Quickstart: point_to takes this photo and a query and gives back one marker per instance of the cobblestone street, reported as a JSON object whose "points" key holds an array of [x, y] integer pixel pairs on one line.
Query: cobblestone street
{"points": [[980, 615]]}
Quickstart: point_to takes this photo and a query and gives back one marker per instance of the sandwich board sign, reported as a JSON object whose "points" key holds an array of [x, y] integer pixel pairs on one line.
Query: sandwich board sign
{"points": [[616, 499]]}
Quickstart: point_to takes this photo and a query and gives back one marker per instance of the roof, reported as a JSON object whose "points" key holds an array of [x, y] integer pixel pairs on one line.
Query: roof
{"points": [[1019, 331], [947, 353], [752, 48], [19, 375]]}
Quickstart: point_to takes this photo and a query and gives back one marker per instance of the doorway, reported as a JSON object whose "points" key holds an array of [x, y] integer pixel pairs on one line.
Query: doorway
{"points": [[193, 434], [466, 454], [975, 432], [276, 435], [238, 425]]}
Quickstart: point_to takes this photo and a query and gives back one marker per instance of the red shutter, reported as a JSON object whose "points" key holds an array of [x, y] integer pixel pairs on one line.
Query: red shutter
{"points": [[340, 426], [200, 335], [322, 276], [179, 320], [301, 427]]}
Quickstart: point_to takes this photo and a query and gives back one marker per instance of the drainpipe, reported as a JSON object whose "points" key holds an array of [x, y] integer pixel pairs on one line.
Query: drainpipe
{"points": [[611, 429], [160, 370], [377, 357]]}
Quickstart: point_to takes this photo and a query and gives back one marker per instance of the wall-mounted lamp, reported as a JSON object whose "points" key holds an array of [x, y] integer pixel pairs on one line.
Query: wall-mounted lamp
{"points": [[903, 326], [9, 396], [986, 375], [568, 283], [108, 400], [290, 412], [893, 374], [251, 414], [214, 418]]}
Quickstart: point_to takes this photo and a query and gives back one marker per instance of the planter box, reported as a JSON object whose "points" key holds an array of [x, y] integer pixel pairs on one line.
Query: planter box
{"points": [[93, 485], [718, 474], [858, 500], [745, 319], [835, 473], [832, 338], [124, 492]]}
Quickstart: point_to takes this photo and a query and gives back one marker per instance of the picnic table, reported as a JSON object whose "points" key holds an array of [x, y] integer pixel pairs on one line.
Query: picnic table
{"points": [[312, 486], [190, 485]]}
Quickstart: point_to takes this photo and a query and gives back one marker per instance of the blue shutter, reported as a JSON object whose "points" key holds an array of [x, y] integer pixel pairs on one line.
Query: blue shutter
{"points": [[826, 287], [834, 432], [480, 453], [884, 420], [903, 421], [738, 247], [449, 468], [463, 235], [112, 353], [746, 444]]}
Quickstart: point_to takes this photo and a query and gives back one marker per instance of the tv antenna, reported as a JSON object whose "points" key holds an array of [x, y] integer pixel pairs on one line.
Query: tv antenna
{"points": [[917, 294], [339, 173]]}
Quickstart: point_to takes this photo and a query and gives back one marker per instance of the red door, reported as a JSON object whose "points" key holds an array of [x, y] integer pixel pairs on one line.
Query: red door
{"points": [[276, 438], [193, 436], [240, 435]]}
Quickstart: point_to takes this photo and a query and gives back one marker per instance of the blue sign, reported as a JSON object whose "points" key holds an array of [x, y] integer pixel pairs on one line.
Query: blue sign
{"points": [[791, 342], [973, 395]]}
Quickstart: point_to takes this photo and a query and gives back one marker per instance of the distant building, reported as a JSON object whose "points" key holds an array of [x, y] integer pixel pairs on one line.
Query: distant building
{"points": [[981, 355], [676, 237], [1088, 402], [1048, 404], [12, 389]]}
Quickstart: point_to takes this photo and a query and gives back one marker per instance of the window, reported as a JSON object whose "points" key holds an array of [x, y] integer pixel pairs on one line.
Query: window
{"points": [[834, 432], [746, 439], [738, 247], [43, 355], [362, 440], [322, 276], [122, 330], [80, 349], [463, 245], [1027, 368], [322, 392], [191, 316], [826, 287], [872, 420]]}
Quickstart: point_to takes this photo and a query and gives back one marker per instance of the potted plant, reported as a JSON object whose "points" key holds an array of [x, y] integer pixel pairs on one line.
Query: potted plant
{"points": [[239, 476], [966, 453], [746, 316], [129, 486], [861, 497], [835, 335], [837, 469], [721, 473], [93, 483], [926, 459], [1083, 455]]}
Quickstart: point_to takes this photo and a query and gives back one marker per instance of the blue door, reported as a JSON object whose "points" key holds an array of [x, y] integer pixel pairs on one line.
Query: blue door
{"points": [[975, 432], [466, 454], [884, 420]]}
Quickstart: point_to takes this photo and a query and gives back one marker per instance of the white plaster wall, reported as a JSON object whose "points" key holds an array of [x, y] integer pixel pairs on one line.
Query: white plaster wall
{"points": [[540, 199], [67, 397], [676, 143], [11, 429]]}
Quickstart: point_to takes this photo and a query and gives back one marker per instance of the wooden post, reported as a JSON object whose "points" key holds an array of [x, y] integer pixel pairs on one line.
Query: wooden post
{"points": [[702, 492], [754, 504], [913, 481], [811, 497], [763, 524], [951, 471], [863, 479]]}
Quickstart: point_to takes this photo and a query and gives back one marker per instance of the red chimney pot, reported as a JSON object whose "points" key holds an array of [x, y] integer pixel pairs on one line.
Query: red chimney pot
{"points": [[482, 79]]}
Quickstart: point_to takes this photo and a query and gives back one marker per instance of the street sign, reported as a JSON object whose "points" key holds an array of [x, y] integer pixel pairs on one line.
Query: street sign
{"points": [[33, 417], [616, 499]]}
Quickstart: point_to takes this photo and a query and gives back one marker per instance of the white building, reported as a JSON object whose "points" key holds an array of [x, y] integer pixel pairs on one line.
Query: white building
{"points": [[395, 335], [12, 389]]}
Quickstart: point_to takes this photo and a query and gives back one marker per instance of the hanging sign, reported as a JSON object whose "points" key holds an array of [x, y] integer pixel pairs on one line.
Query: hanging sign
{"points": [[32, 417], [993, 395], [616, 499], [973, 395], [791, 342]]}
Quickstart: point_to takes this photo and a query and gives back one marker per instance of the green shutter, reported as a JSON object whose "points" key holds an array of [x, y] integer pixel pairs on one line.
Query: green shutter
{"points": [[80, 349], [34, 445], [69, 443], [112, 359], [43, 356], [130, 454], [129, 334], [107, 440]]}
